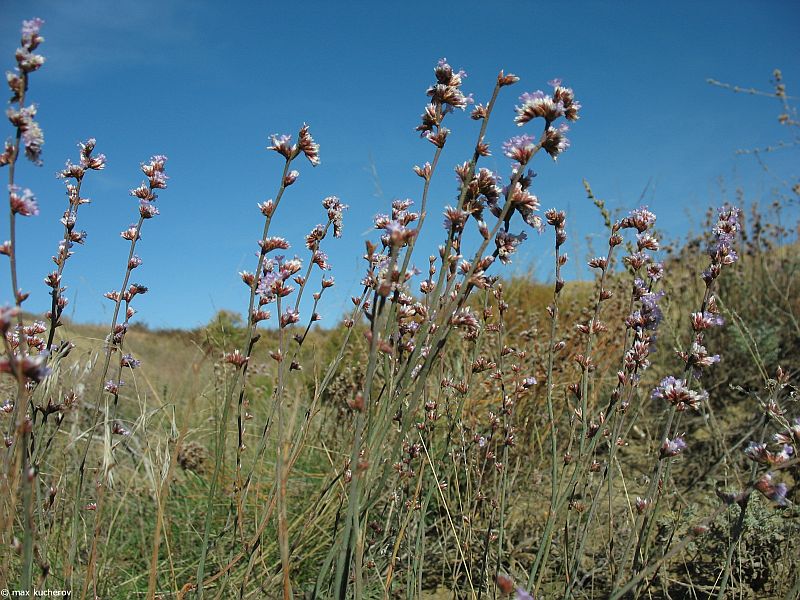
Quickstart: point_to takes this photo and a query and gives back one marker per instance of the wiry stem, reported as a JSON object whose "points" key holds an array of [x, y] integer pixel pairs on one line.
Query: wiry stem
{"points": [[157, 180], [239, 384], [18, 459]]}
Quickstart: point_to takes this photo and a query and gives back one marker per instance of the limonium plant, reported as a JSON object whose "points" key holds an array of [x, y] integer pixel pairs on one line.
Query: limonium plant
{"points": [[442, 434]]}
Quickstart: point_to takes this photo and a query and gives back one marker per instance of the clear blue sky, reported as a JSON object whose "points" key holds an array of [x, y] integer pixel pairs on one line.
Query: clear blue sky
{"points": [[206, 82]]}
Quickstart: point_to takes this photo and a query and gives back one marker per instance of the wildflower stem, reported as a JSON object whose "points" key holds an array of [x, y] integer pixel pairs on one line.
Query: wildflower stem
{"points": [[443, 327], [12, 168], [352, 531], [738, 528], [506, 432], [72, 213], [240, 379], [18, 460], [660, 471], [111, 347], [239, 384], [280, 476], [537, 570], [618, 418]]}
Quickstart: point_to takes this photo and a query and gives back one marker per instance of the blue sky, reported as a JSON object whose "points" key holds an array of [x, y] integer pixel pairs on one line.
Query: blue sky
{"points": [[207, 82]]}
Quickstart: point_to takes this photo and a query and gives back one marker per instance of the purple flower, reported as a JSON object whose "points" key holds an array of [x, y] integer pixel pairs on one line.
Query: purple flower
{"points": [[439, 138], [335, 209], [774, 492], [33, 139], [71, 171], [655, 271], [266, 208], [506, 244], [119, 333], [321, 260], [95, 163], [446, 90], [778, 494], [454, 219], [7, 315], [444, 73], [727, 222], [289, 317], [790, 435], [22, 202], [147, 209], [394, 226], [641, 219], [555, 140], [758, 452], [30, 132], [598, 262], [128, 360], [27, 62], [273, 243], [131, 233], [637, 260], [307, 145], [6, 154], [281, 143], [315, 236], [33, 367], [154, 171], [158, 180], [290, 178], [650, 309], [699, 358], [396, 234], [647, 241], [30, 33], [112, 387], [401, 205], [672, 447], [705, 320], [519, 148], [566, 97], [676, 392], [235, 358], [143, 192], [721, 247], [289, 267], [465, 319], [267, 283], [538, 104]]}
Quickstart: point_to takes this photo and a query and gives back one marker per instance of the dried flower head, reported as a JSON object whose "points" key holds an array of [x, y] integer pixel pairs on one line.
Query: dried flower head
{"points": [[641, 219], [307, 145], [335, 209], [555, 140], [519, 148], [23, 202], [672, 447], [772, 491], [538, 105], [676, 392]]}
